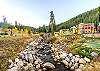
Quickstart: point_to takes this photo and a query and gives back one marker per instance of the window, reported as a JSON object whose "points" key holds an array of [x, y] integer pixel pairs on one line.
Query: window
{"points": [[88, 27]]}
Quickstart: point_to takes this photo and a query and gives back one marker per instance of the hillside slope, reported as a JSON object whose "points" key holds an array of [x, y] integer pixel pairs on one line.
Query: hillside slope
{"points": [[91, 16]]}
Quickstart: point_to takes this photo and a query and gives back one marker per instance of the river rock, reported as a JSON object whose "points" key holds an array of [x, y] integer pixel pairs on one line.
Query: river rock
{"points": [[57, 57], [70, 64], [65, 62], [38, 66], [30, 58], [16, 60], [49, 65], [70, 54], [78, 69], [94, 54], [40, 70], [67, 59], [30, 65], [87, 59], [13, 69], [77, 56], [72, 68], [77, 59], [26, 57], [76, 65], [36, 62], [20, 63], [25, 68], [44, 69], [10, 61], [81, 66], [72, 60], [11, 65], [82, 61]]}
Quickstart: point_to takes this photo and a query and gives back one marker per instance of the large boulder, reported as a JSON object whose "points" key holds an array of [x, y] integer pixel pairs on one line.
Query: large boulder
{"points": [[49, 65]]}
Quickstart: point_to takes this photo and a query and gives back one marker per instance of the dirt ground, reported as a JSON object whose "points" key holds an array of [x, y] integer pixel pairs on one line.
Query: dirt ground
{"points": [[11, 46]]}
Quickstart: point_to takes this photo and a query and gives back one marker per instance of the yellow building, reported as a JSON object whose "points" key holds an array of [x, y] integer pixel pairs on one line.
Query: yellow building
{"points": [[64, 32]]}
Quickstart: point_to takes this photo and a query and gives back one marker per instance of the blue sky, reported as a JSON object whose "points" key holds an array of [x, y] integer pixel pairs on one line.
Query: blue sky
{"points": [[36, 12]]}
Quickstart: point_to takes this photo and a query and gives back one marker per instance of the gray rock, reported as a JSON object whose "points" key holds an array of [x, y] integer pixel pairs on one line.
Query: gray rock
{"points": [[94, 54], [76, 65], [67, 59], [26, 57], [49, 65]]}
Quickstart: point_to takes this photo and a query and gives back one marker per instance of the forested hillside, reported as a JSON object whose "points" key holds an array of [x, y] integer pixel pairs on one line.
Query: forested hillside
{"points": [[91, 16]]}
